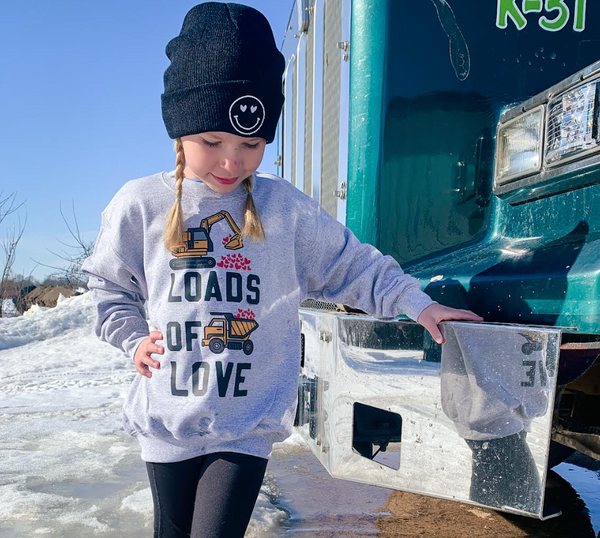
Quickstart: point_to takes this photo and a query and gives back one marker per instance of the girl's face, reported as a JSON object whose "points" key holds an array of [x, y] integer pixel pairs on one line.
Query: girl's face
{"points": [[222, 160]]}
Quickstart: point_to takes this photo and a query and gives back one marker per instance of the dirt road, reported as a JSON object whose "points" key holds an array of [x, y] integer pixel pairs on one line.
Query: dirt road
{"points": [[324, 507], [416, 515]]}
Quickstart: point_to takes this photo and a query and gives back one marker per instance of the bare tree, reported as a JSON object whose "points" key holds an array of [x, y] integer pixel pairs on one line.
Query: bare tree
{"points": [[7, 205], [51, 281], [9, 244], [22, 285], [71, 276]]}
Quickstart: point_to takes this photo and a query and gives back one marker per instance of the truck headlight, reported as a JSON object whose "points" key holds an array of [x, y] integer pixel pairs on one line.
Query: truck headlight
{"points": [[572, 124], [520, 144]]}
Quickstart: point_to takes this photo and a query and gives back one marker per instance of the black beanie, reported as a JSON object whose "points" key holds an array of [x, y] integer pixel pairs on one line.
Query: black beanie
{"points": [[225, 74]]}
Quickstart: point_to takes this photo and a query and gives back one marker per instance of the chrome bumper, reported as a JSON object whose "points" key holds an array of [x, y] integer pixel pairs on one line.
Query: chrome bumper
{"points": [[381, 403]]}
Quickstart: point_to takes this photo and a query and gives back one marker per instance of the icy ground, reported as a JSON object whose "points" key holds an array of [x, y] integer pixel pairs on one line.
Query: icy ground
{"points": [[67, 469]]}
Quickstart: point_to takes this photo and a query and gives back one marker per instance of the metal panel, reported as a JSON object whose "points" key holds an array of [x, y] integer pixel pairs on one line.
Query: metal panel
{"points": [[294, 105], [474, 416], [331, 104], [303, 16], [300, 113], [342, 185], [288, 125], [369, 40], [317, 93], [308, 108]]}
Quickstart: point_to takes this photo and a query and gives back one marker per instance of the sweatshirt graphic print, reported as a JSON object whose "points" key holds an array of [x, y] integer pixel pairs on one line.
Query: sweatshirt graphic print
{"points": [[227, 307]]}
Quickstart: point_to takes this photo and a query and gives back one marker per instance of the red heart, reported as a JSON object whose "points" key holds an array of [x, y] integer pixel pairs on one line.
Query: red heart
{"points": [[237, 265], [220, 264]]}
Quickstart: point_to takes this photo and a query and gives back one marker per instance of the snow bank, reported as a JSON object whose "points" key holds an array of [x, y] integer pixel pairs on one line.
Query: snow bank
{"points": [[67, 468], [43, 323]]}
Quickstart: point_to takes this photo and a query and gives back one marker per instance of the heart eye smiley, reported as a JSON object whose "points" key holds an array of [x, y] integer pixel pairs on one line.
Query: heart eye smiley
{"points": [[247, 114]]}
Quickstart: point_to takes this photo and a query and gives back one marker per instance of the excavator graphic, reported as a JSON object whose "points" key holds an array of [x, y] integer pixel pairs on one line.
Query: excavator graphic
{"points": [[196, 243]]}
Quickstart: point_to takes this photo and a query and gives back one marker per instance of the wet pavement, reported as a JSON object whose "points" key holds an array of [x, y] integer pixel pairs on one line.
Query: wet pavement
{"points": [[322, 506]]}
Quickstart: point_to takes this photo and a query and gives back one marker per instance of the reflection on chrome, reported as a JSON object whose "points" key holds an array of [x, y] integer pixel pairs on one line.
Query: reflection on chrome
{"points": [[381, 403], [493, 395]]}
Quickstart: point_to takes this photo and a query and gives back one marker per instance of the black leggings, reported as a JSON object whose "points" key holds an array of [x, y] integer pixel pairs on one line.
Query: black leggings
{"points": [[211, 496]]}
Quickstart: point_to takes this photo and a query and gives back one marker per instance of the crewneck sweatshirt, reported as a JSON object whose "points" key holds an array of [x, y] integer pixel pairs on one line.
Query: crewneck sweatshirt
{"points": [[227, 307]]}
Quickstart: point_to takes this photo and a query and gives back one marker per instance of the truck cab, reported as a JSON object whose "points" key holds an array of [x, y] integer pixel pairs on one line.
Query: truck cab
{"points": [[462, 139]]}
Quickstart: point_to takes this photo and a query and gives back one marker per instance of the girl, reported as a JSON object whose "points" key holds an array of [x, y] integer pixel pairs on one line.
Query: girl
{"points": [[223, 283]]}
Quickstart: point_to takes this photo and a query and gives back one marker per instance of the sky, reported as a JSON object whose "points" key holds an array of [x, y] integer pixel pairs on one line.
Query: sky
{"points": [[80, 110]]}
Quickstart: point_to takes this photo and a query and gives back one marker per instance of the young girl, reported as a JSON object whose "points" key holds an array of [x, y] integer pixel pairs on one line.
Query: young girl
{"points": [[222, 285]]}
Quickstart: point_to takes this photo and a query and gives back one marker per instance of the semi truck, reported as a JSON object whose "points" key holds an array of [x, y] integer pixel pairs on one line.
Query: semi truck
{"points": [[461, 138]]}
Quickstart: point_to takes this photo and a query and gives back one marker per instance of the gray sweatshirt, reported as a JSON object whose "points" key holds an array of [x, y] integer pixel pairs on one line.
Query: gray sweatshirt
{"points": [[227, 307]]}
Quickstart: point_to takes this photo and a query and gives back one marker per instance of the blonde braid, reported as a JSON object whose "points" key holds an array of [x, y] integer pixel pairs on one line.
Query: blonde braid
{"points": [[174, 231], [253, 227]]}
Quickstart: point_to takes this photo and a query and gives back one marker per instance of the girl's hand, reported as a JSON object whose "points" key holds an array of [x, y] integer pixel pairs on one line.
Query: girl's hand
{"points": [[436, 313], [142, 357]]}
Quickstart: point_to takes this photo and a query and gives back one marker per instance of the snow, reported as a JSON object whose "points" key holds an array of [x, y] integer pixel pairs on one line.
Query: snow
{"points": [[9, 309], [67, 467]]}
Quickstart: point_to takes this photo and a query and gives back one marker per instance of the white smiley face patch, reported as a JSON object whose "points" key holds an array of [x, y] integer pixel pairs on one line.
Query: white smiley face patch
{"points": [[247, 114]]}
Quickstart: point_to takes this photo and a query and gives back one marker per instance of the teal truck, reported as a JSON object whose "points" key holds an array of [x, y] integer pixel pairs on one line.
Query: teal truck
{"points": [[461, 138]]}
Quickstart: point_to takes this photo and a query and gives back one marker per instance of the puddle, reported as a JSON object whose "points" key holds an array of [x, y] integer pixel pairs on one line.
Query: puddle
{"points": [[584, 478], [323, 506]]}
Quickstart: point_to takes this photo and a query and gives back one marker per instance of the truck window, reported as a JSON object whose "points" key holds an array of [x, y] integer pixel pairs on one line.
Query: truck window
{"points": [[217, 323]]}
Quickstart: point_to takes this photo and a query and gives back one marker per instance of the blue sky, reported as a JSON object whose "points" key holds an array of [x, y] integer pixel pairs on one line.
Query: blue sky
{"points": [[80, 109]]}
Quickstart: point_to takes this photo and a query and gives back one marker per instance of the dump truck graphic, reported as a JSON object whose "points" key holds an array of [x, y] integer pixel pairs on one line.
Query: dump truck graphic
{"points": [[192, 252], [226, 331]]}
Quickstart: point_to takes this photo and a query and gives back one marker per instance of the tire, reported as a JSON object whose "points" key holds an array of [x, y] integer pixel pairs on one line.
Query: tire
{"points": [[216, 345], [248, 347]]}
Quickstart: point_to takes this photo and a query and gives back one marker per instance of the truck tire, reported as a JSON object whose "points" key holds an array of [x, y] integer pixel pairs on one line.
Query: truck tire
{"points": [[248, 347], [216, 345]]}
